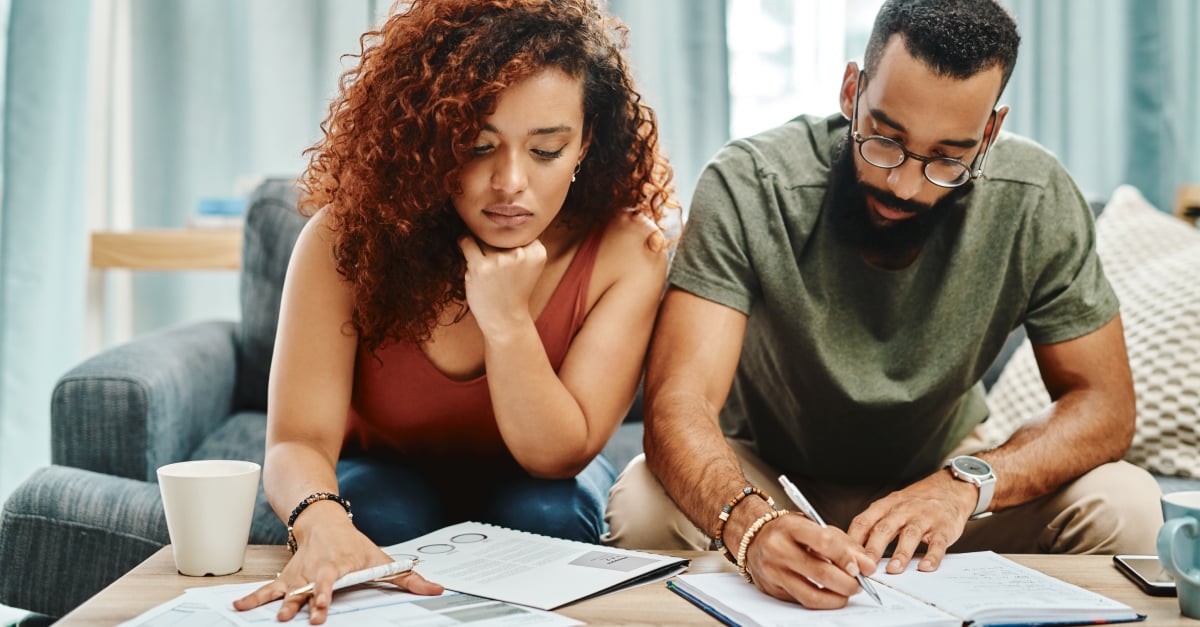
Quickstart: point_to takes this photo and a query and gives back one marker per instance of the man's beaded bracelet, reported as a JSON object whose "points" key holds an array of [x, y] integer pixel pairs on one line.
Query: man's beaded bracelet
{"points": [[748, 537], [723, 517], [309, 500]]}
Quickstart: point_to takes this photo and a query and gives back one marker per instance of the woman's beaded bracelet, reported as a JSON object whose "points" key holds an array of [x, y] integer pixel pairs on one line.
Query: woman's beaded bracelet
{"points": [[309, 500], [723, 517], [748, 537]]}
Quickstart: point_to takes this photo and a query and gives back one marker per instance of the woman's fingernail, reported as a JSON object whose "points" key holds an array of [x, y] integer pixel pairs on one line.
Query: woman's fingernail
{"points": [[852, 569]]}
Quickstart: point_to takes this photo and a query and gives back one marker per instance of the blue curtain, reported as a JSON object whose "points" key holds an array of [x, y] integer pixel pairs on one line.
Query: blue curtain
{"points": [[1113, 88], [224, 91], [221, 89], [679, 59], [43, 245]]}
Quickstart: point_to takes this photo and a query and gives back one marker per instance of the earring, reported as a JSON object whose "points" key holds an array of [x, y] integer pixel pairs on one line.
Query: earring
{"points": [[576, 172]]}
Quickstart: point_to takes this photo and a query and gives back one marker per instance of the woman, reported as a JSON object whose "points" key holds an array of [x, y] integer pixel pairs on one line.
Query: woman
{"points": [[466, 313]]}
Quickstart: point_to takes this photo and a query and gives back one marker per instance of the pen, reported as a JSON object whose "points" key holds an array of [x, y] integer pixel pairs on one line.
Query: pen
{"points": [[794, 493], [374, 573]]}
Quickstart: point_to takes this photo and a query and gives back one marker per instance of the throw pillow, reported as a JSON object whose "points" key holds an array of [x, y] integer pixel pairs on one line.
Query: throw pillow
{"points": [[1151, 259]]}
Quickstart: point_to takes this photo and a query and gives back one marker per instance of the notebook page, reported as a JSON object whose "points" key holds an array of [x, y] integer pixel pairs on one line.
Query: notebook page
{"points": [[984, 584], [745, 604]]}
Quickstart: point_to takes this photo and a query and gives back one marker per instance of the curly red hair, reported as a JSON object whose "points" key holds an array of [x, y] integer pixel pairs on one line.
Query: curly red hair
{"points": [[403, 124]]}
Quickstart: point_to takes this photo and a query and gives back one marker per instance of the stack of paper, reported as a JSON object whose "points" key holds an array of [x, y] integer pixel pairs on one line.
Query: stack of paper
{"points": [[364, 606]]}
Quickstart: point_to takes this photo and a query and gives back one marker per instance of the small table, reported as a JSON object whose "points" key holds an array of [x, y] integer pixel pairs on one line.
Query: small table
{"points": [[156, 581]]}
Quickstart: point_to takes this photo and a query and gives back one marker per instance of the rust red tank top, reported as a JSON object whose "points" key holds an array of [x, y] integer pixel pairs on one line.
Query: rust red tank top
{"points": [[403, 404]]}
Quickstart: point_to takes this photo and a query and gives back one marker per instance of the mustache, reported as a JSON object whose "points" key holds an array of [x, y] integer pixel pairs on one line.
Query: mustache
{"points": [[895, 202]]}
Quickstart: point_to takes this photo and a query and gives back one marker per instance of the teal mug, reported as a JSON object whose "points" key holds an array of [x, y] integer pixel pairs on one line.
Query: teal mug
{"points": [[1179, 547]]}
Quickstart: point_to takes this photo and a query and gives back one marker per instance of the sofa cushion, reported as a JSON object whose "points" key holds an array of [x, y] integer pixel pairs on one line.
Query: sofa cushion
{"points": [[272, 226], [243, 436], [1151, 260]]}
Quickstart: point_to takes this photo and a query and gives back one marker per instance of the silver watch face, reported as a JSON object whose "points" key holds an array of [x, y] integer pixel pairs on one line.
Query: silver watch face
{"points": [[972, 466]]}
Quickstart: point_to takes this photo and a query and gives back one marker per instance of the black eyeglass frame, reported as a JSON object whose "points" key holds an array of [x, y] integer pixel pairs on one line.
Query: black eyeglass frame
{"points": [[973, 172]]}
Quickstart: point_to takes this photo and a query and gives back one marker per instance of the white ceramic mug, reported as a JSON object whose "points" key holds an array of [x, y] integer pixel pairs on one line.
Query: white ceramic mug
{"points": [[209, 505]]}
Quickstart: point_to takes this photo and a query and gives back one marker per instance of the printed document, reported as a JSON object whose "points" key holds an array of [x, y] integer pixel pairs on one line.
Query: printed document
{"points": [[367, 605], [526, 568]]}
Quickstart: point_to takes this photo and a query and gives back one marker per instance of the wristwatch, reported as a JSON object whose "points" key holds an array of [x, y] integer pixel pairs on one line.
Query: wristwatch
{"points": [[974, 470]]}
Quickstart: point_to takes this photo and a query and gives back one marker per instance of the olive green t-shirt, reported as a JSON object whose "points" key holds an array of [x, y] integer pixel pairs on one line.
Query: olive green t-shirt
{"points": [[852, 373]]}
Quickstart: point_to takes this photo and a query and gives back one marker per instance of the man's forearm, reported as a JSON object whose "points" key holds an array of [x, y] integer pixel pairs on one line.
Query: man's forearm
{"points": [[686, 450], [1078, 432], [1090, 421]]}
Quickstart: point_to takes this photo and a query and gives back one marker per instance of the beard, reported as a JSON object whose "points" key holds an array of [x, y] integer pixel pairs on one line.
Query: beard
{"points": [[852, 220]]}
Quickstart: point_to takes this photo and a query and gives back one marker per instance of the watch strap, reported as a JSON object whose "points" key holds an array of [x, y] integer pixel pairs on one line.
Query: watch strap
{"points": [[987, 488]]}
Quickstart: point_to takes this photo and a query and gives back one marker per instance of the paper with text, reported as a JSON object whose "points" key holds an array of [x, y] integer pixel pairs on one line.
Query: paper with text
{"points": [[985, 587], [967, 589], [744, 604], [527, 568], [369, 605]]}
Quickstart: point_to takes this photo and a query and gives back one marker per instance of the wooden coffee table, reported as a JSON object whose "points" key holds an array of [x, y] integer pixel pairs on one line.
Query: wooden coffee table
{"points": [[156, 581]]}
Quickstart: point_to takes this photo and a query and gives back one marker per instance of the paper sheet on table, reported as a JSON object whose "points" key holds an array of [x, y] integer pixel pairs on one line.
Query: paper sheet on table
{"points": [[527, 568], [365, 606]]}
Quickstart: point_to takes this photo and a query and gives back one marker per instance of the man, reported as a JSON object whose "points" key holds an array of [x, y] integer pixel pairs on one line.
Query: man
{"points": [[841, 287]]}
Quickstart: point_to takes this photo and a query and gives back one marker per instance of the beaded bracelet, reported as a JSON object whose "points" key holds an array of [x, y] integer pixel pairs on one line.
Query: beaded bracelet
{"points": [[723, 517], [749, 537], [309, 500]]}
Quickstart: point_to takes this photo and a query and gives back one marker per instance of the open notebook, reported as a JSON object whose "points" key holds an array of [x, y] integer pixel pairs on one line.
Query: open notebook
{"points": [[974, 589], [526, 568]]}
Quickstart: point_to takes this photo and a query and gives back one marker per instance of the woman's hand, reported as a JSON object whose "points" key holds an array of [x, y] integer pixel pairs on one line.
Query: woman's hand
{"points": [[499, 283], [326, 555]]}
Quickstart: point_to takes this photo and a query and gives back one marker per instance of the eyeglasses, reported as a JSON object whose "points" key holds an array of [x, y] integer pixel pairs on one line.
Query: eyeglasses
{"points": [[886, 153]]}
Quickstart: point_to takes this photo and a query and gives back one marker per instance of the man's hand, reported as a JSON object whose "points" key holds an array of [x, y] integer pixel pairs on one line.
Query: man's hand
{"points": [[933, 510], [794, 559]]}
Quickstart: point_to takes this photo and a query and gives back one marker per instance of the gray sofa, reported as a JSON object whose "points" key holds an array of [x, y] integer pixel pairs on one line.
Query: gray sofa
{"points": [[192, 392]]}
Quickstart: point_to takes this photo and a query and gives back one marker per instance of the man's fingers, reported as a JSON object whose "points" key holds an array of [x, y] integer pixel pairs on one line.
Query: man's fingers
{"points": [[880, 536], [860, 528], [936, 550], [830, 545], [906, 545], [806, 556], [831, 577], [803, 591]]}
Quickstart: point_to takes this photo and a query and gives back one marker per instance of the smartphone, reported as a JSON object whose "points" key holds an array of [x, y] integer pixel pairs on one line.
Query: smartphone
{"points": [[1147, 573]]}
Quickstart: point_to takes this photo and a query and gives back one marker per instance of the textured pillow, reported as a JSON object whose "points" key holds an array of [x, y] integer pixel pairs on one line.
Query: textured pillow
{"points": [[1153, 263]]}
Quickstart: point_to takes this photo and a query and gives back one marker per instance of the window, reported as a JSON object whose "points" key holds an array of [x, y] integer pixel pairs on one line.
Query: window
{"points": [[787, 57]]}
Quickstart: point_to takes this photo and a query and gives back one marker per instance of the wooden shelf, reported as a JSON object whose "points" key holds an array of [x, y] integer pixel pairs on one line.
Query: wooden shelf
{"points": [[167, 249]]}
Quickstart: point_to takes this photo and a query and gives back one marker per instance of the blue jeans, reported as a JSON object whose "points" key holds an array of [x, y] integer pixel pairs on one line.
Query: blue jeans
{"points": [[394, 502]]}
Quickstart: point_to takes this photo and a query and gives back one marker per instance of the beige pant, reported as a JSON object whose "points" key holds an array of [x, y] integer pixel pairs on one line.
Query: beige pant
{"points": [[1112, 509]]}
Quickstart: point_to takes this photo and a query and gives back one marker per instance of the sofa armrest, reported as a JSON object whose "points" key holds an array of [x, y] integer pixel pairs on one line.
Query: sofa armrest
{"points": [[66, 533], [149, 402]]}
